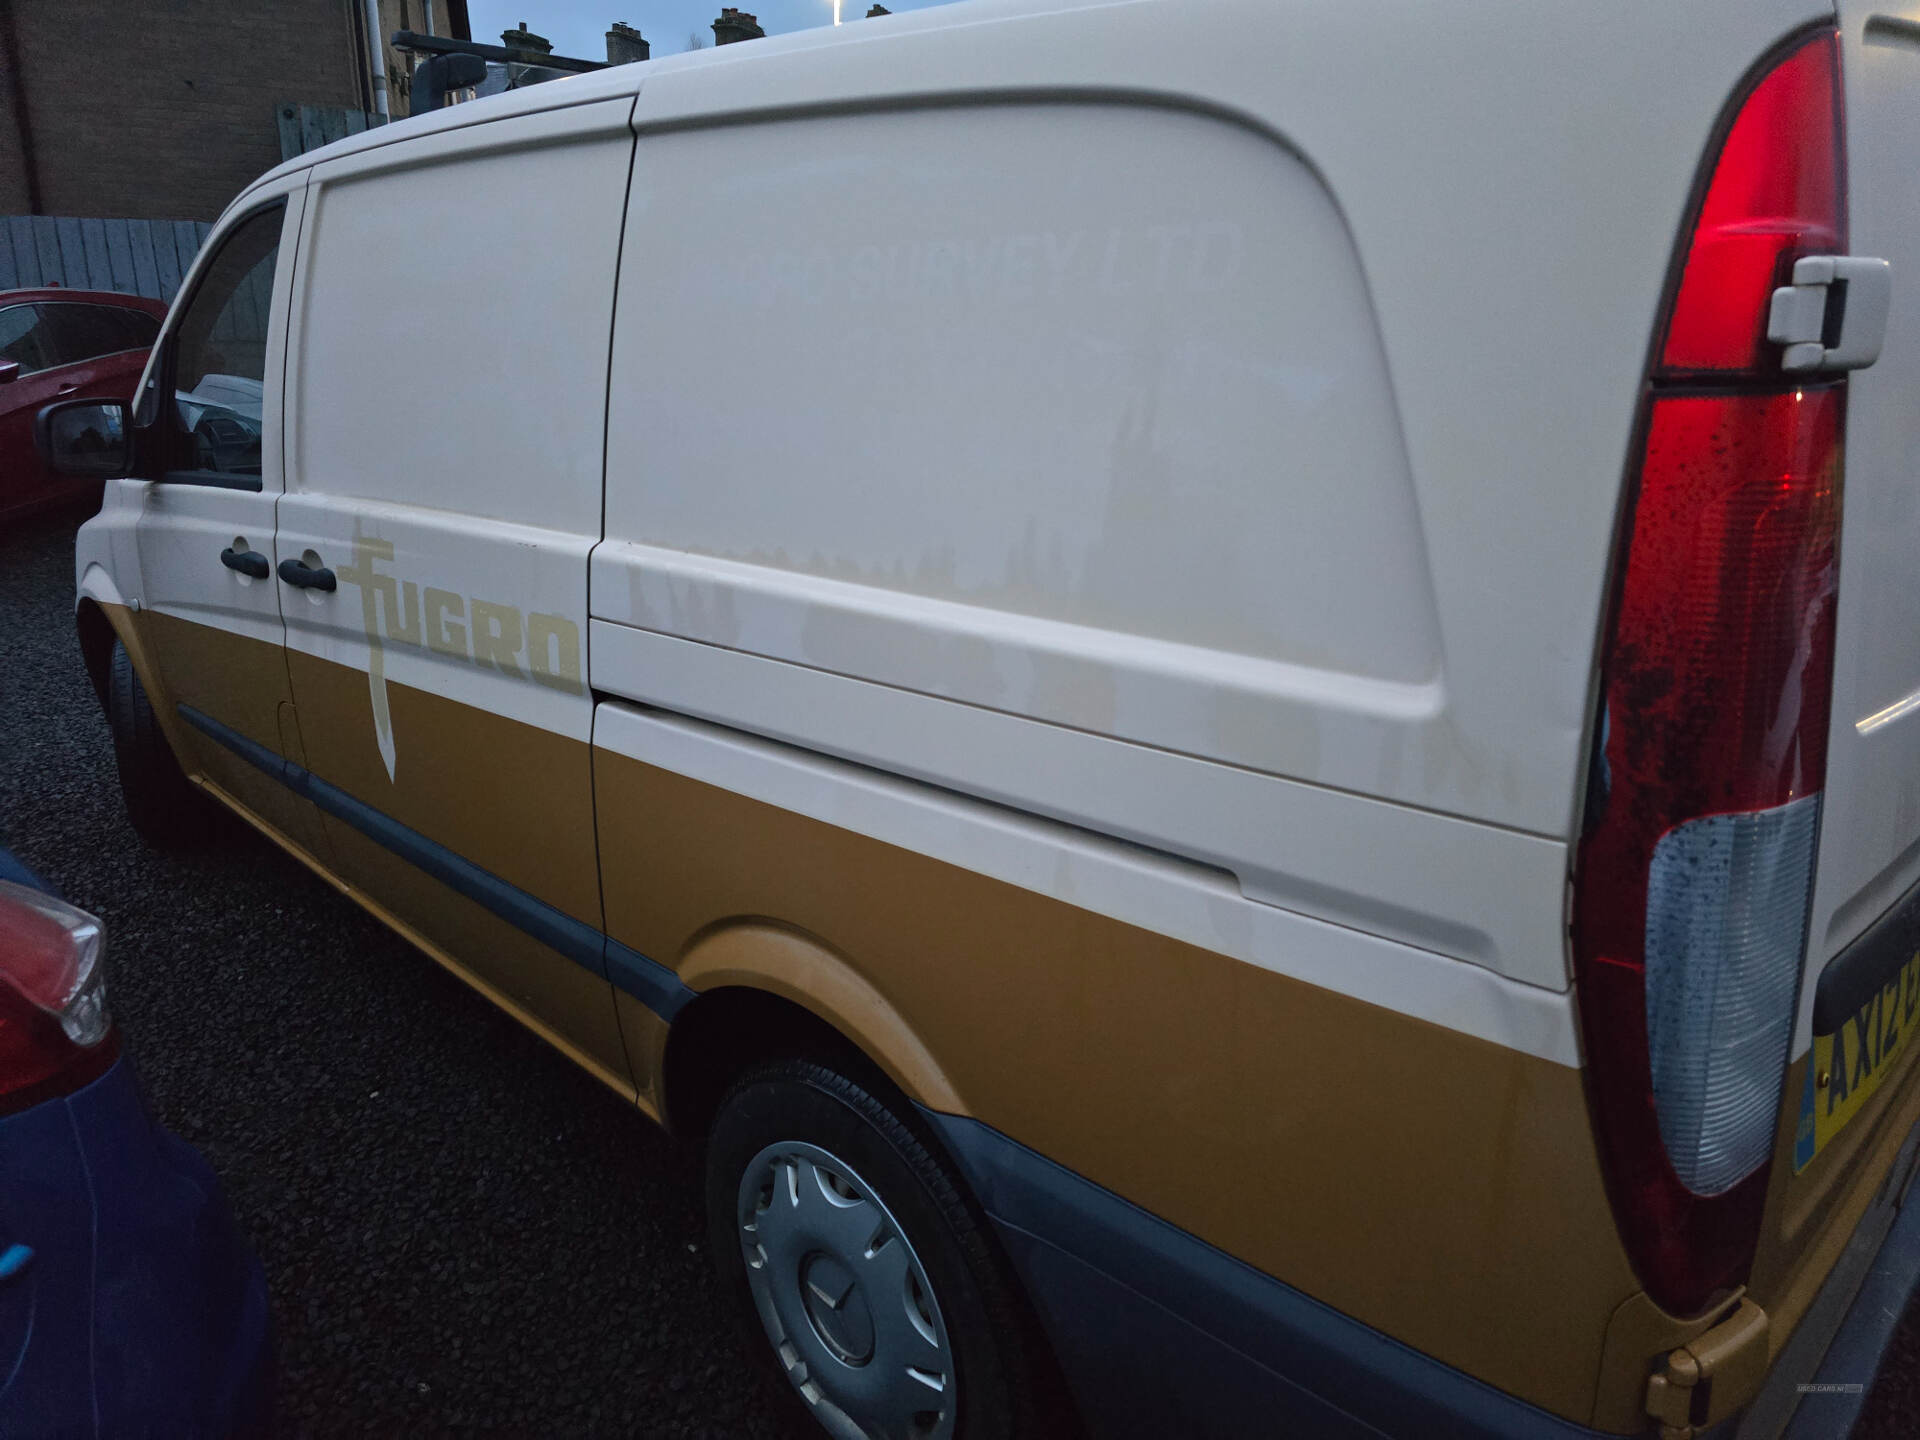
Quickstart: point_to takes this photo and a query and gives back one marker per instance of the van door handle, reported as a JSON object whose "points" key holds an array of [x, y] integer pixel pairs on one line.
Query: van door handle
{"points": [[317, 578], [247, 562]]}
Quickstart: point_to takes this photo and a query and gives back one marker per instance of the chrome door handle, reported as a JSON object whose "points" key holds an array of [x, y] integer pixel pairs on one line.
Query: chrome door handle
{"points": [[247, 562], [305, 578]]}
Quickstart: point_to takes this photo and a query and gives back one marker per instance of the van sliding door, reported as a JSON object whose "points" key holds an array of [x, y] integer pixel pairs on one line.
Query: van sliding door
{"points": [[447, 396]]}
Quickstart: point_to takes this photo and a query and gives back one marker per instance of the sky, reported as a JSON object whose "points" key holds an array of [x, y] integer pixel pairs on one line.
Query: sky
{"points": [[579, 27]]}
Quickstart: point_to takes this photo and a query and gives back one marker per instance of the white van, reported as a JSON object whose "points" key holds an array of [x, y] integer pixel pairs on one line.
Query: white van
{"points": [[1202, 677]]}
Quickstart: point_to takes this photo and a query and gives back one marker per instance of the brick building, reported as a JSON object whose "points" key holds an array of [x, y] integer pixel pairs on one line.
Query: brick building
{"points": [[137, 109]]}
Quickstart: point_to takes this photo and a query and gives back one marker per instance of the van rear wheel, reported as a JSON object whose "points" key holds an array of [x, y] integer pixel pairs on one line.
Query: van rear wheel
{"points": [[866, 1282], [166, 810]]}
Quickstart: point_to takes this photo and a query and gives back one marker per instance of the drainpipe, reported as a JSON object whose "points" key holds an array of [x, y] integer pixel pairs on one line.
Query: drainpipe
{"points": [[377, 49], [22, 118]]}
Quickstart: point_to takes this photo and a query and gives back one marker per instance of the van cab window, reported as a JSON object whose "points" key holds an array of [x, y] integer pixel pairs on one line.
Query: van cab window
{"points": [[218, 360]]}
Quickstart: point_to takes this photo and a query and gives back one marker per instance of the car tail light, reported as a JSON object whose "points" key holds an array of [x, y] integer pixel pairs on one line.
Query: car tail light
{"points": [[1695, 865], [54, 1028]]}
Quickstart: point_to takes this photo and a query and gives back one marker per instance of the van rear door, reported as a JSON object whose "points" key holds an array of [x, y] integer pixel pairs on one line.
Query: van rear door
{"points": [[1869, 854], [1870, 832], [1860, 959]]}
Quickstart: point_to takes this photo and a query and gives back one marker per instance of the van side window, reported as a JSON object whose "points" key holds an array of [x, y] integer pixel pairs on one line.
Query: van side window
{"points": [[217, 362]]}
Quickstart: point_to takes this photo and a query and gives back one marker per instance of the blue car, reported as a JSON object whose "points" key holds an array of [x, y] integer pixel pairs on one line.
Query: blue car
{"points": [[129, 1305]]}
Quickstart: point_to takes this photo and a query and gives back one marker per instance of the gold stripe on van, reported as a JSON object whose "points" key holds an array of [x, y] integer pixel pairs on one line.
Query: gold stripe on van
{"points": [[514, 799], [1439, 1187], [510, 798], [236, 677]]}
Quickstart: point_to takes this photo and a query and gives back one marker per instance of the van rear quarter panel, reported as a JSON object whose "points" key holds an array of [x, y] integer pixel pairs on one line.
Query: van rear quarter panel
{"points": [[1071, 412], [1433, 1184]]}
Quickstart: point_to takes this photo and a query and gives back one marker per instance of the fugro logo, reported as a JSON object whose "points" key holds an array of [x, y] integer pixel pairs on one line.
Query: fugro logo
{"points": [[540, 649]]}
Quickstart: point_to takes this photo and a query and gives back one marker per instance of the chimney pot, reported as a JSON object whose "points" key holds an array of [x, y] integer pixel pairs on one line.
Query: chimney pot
{"points": [[625, 45], [525, 39], [736, 25]]}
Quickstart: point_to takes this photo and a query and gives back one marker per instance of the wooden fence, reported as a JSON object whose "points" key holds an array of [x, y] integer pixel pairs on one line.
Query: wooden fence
{"points": [[143, 257], [139, 257], [308, 127]]}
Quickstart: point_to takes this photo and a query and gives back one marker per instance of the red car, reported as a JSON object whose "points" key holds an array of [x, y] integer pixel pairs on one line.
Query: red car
{"points": [[53, 344]]}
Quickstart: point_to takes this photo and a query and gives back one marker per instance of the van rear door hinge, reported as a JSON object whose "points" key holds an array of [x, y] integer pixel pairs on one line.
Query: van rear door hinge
{"points": [[1711, 1376], [1834, 314]]}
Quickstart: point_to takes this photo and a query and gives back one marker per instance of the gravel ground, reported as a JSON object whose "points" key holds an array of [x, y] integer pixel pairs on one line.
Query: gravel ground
{"points": [[462, 1232]]}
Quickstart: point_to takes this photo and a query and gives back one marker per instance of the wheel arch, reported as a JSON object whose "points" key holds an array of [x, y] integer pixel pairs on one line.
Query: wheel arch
{"points": [[764, 991], [96, 634], [756, 1008]]}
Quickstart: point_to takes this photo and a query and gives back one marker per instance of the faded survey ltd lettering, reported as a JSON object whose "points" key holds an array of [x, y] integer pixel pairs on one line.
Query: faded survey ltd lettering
{"points": [[1203, 257]]}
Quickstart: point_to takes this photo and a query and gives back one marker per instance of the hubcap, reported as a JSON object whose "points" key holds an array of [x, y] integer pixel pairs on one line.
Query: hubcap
{"points": [[844, 1298], [839, 1312]]}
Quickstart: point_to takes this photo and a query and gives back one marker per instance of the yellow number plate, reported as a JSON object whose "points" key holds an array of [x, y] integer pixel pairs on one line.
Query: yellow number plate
{"points": [[1854, 1060]]}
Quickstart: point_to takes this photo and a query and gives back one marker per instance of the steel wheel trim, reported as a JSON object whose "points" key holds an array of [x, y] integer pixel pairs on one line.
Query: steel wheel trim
{"points": [[844, 1299]]}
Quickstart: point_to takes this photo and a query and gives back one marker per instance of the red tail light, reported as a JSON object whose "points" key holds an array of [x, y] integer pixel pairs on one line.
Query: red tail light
{"points": [[1775, 196], [54, 1031], [1696, 863]]}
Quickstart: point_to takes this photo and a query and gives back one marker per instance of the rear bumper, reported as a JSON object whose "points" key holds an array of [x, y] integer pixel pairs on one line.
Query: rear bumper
{"points": [[1819, 1384], [1159, 1334], [141, 1310]]}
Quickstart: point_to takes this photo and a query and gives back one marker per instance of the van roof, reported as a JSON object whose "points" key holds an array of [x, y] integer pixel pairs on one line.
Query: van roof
{"points": [[626, 80]]}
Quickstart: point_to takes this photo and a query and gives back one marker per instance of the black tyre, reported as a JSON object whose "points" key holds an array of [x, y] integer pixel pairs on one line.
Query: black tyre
{"points": [[865, 1279], [165, 808]]}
